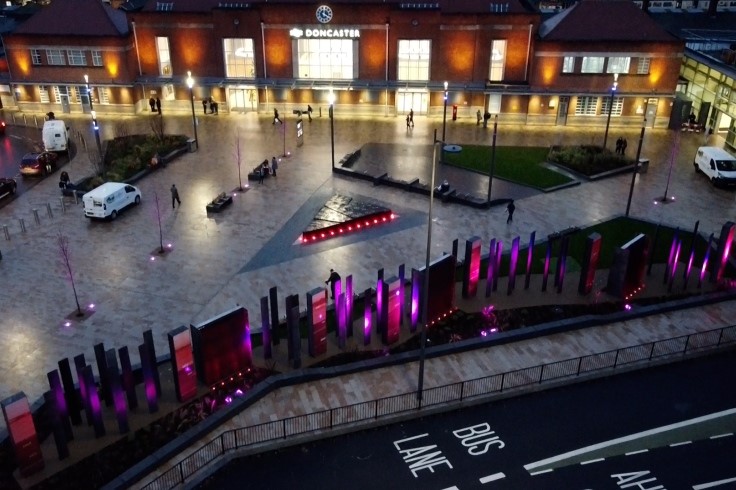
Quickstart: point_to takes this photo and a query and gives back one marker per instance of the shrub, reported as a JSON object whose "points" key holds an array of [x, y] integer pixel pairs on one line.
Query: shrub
{"points": [[588, 159]]}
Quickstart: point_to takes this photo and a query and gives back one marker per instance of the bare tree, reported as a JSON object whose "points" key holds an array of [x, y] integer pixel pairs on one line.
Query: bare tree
{"points": [[98, 162], [121, 129], [160, 230], [63, 242], [157, 126], [238, 161]]}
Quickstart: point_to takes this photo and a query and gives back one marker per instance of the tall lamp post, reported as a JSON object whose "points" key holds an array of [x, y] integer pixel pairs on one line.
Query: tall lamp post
{"points": [[636, 165], [610, 107], [425, 285], [493, 157], [331, 100], [95, 125], [444, 116], [190, 84]]}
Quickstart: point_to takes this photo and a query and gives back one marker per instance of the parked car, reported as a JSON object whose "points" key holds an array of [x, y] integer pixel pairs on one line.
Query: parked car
{"points": [[2, 128], [38, 163], [7, 187]]}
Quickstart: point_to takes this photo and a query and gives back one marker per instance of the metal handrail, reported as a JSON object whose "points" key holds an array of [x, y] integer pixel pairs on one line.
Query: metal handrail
{"points": [[454, 392]]}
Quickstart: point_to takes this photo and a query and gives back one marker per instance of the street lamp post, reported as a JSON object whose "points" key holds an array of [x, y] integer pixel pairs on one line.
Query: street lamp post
{"points": [[636, 166], [190, 84], [425, 285], [610, 107], [444, 115], [331, 100], [95, 125], [493, 157]]}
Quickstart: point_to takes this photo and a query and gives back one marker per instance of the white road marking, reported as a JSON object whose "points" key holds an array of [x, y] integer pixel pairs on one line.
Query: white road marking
{"points": [[494, 477], [629, 438], [675, 444], [713, 484], [593, 461], [540, 472], [451, 488], [637, 452], [727, 434]]}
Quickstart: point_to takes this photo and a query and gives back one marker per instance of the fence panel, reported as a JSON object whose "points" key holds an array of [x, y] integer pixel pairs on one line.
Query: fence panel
{"points": [[729, 335], [636, 353], [522, 377], [442, 394], [482, 386], [353, 413], [198, 460], [307, 423], [595, 362], [254, 434], [669, 347], [396, 404], [702, 340], [170, 479], [561, 369]]}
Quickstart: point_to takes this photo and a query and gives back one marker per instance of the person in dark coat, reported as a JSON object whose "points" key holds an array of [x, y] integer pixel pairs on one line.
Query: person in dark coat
{"points": [[276, 117], [175, 196], [158, 105], [309, 112], [619, 143], [152, 103], [624, 144], [204, 105], [332, 280], [411, 117], [274, 166], [510, 209]]}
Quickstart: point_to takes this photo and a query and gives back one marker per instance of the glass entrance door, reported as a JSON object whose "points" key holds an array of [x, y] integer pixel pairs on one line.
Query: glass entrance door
{"points": [[406, 101]]}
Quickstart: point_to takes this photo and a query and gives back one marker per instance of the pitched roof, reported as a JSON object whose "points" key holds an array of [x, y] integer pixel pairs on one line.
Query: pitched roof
{"points": [[76, 18], [603, 20]]}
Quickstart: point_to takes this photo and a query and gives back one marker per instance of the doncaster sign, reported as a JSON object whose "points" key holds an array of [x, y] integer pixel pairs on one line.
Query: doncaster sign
{"points": [[325, 33]]}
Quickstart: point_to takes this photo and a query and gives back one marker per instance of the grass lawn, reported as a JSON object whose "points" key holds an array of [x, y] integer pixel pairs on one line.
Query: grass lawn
{"points": [[518, 164]]}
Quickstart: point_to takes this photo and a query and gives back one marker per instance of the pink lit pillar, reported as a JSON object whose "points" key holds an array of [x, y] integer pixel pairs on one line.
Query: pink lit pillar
{"points": [[547, 260], [340, 317], [512, 265], [416, 283], [349, 300], [690, 257], [94, 402], [79, 364], [724, 251], [704, 266], [497, 267], [367, 316], [379, 301], [674, 265], [529, 260], [149, 383], [491, 267], [671, 256], [116, 391], [402, 293], [562, 262], [247, 342]]}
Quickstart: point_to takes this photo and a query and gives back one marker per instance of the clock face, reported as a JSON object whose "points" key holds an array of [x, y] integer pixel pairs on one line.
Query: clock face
{"points": [[324, 14]]}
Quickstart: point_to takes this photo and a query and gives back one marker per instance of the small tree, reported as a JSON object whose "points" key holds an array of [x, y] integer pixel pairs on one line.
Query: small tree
{"points": [[98, 162], [121, 129], [238, 161], [157, 126], [63, 242], [160, 229]]}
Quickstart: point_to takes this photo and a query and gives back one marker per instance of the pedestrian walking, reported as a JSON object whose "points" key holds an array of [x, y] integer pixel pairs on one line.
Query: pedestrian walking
{"points": [[175, 196], [274, 165], [158, 105], [152, 103], [217, 107], [309, 112], [212, 106], [276, 117], [411, 117], [510, 209], [262, 169], [204, 105], [332, 280], [478, 118], [624, 144], [407, 121], [619, 144]]}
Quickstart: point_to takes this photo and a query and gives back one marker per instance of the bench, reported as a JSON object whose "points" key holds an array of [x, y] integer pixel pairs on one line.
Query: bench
{"points": [[222, 200]]}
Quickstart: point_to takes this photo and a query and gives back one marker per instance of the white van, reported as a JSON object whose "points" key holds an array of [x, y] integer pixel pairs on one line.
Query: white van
{"points": [[55, 136], [109, 199], [717, 164]]}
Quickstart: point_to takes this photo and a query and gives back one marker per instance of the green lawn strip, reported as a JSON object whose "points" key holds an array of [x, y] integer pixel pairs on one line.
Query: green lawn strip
{"points": [[519, 164]]}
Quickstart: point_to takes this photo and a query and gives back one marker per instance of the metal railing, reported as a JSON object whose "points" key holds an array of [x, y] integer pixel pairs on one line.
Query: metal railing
{"points": [[455, 392]]}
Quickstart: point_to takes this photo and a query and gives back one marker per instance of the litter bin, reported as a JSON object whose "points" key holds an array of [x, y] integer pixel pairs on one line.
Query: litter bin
{"points": [[643, 165], [192, 145]]}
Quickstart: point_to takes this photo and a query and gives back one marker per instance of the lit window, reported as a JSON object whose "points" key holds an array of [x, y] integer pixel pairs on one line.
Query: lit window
{"points": [[592, 64], [586, 106], [618, 64], [498, 60], [43, 92], [494, 103], [618, 106], [164, 57], [97, 58], [55, 57], [642, 67], [568, 64], [414, 55], [325, 58], [76, 57], [102, 95], [36, 56], [239, 58]]}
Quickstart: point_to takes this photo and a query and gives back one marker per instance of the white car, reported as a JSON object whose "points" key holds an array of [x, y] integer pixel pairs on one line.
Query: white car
{"points": [[109, 199]]}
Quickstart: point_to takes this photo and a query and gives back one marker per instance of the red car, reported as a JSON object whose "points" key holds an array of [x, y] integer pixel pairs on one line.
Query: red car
{"points": [[38, 163]]}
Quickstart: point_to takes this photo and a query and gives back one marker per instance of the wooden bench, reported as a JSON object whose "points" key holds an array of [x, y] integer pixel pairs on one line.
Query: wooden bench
{"points": [[222, 200]]}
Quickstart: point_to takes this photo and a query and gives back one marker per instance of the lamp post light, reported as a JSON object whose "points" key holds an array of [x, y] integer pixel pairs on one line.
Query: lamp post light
{"points": [[190, 84], [493, 157], [636, 165], [444, 116], [610, 107], [95, 125], [425, 285], [331, 100]]}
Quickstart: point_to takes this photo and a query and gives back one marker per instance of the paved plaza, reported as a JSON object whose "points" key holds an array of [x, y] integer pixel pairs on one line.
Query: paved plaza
{"points": [[233, 258]]}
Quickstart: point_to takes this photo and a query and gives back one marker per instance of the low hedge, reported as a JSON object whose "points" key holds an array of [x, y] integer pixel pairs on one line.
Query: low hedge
{"points": [[128, 155], [588, 159]]}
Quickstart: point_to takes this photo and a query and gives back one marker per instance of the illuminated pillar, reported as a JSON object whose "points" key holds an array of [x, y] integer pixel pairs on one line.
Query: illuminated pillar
{"points": [[491, 267], [704, 266], [724, 250], [514, 260], [116, 391], [149, 383], [367, 316], [529, 260], [317, 322], [349, 300], [414, 312], [691, 256], [471, 267]]}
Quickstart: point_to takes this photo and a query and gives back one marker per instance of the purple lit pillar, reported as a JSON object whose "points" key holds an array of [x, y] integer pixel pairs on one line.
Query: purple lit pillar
{"points": [[116, 391], [547, 259], [149, 383], [349, 300], [491, 267], [59, 404], [340, 317], [94, 401], [102, 369], [317, 321], [60, 439], [674, 267], [402, 294], [379, 301], [70, 392], [512, 265], [671, 256], [337, 292], [471, 267], [367, 317], [529, 260], [728, 230], [265, 329], [562, 262], [247, 345], [690, 256], [151, 349], [79, 364], [497, 265], [704, 266], [128, 378], [416, 283]]}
